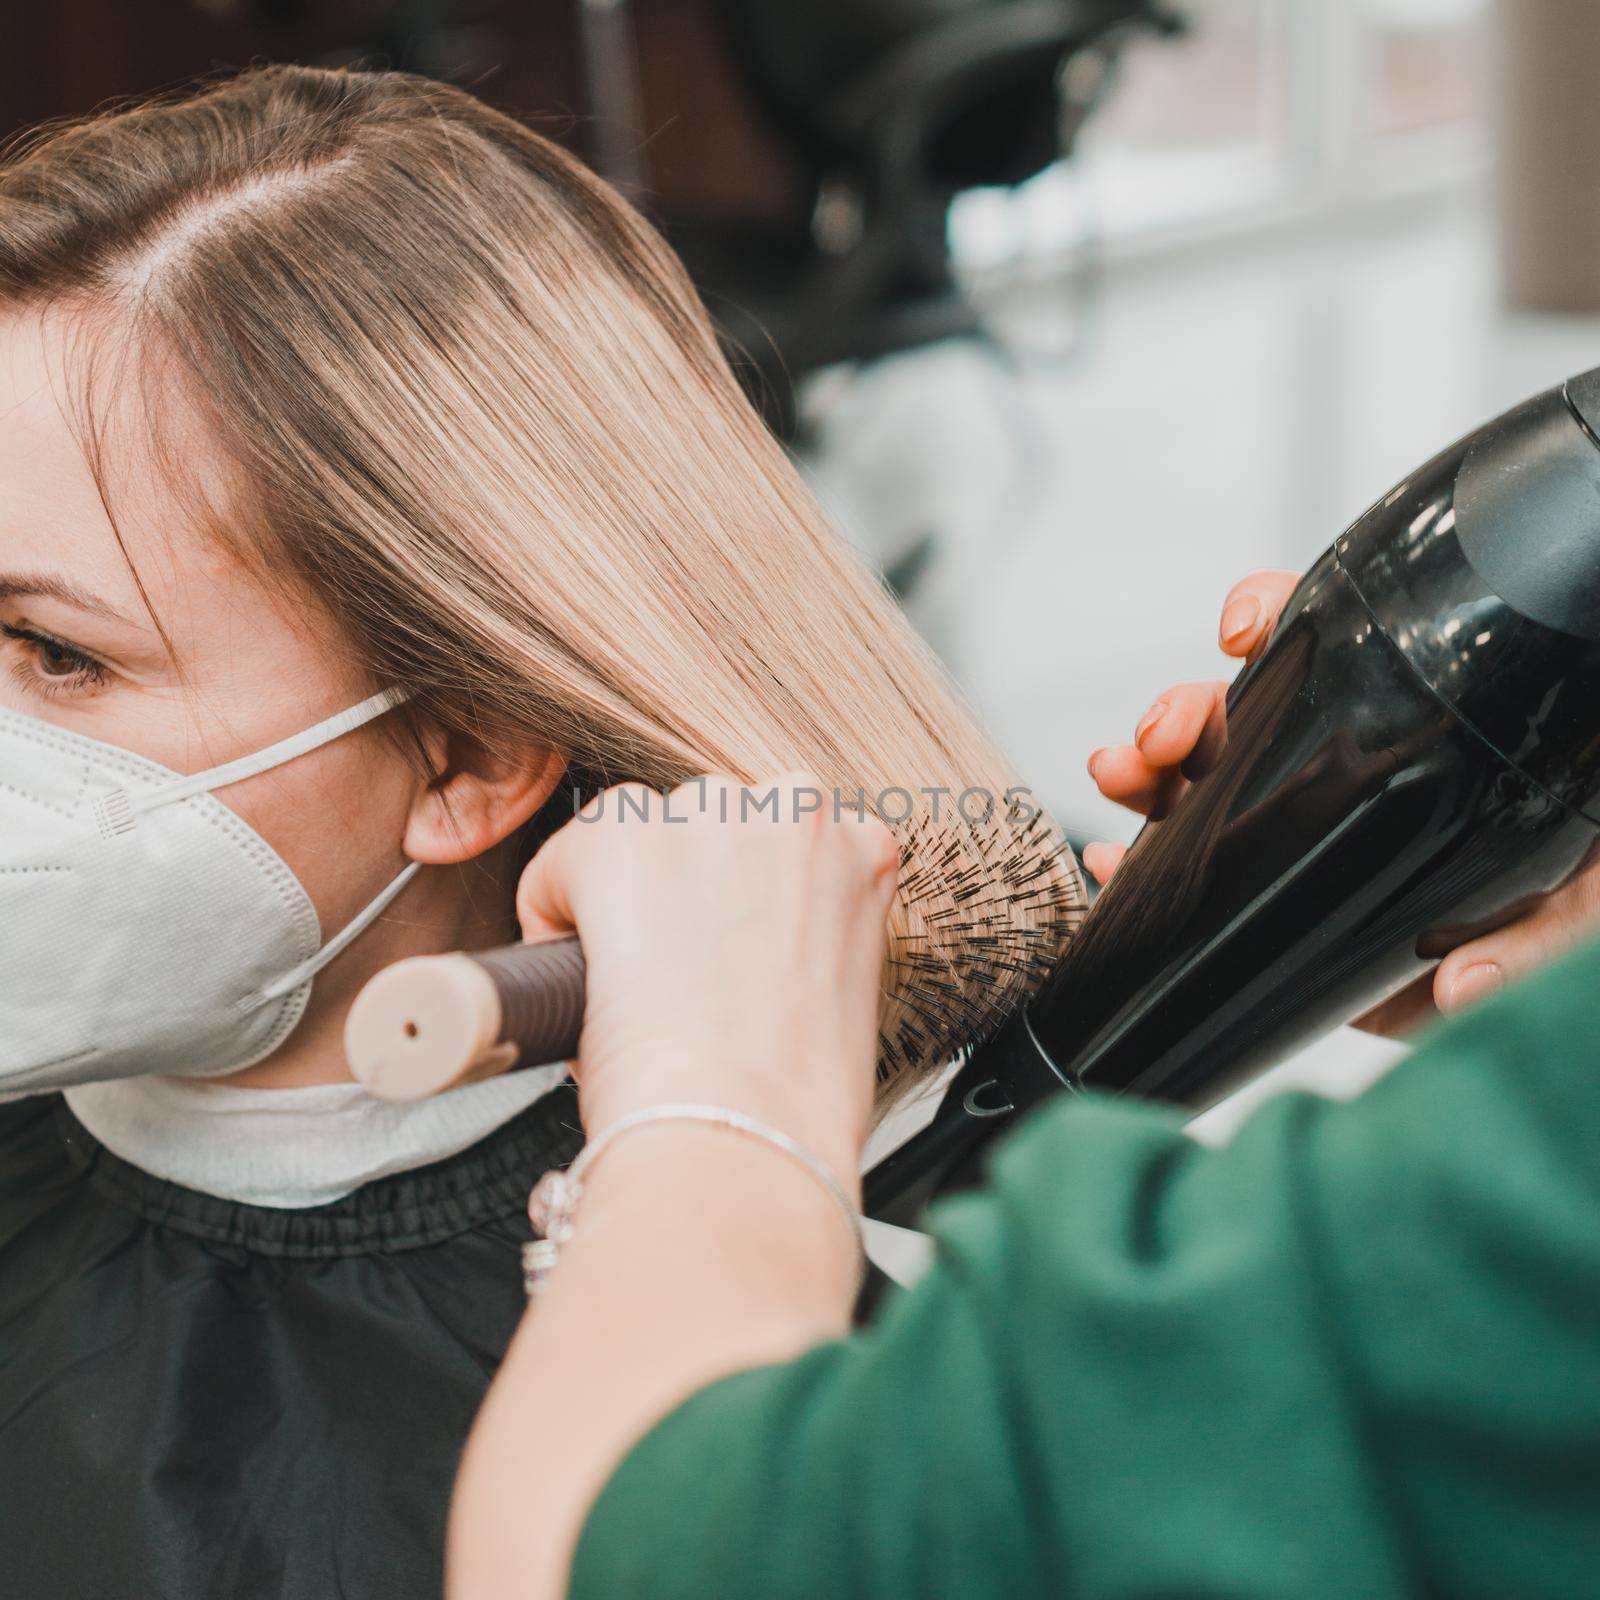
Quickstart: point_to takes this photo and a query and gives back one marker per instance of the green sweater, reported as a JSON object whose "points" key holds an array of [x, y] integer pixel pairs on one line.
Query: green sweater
{"points": [[1355, 1353]]}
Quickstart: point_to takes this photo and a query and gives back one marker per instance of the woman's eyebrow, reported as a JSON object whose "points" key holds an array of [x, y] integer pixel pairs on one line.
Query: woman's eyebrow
{"points": [[20, 585]]}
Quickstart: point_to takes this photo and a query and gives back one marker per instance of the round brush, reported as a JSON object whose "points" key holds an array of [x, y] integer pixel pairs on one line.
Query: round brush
{"points": [[1003, 916]]}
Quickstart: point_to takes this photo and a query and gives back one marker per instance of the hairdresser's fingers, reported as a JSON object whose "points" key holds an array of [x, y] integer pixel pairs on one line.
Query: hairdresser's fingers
{"points": [[1121, 773], [1187, 725], [734, 939], [544, 891], [1103, 859], [1472, 972], [1252, 609]]}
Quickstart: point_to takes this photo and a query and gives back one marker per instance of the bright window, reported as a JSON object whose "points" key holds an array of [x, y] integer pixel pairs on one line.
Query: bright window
{"points": [[1266, 108]]}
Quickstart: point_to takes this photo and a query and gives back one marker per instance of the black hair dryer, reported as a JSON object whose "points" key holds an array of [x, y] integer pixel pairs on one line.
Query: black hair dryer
{"points": [[1413, 759]]}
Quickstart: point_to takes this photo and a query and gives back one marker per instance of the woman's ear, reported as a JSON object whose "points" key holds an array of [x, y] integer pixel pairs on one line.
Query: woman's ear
{"points": [[475, 800]]}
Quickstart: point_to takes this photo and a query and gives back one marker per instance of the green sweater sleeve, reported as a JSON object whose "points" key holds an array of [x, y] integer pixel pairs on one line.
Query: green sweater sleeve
{"points": [[1356, 1352]]}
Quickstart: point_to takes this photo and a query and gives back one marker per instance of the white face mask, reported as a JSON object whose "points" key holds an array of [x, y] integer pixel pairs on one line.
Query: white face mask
{"points": [[144, 928]]}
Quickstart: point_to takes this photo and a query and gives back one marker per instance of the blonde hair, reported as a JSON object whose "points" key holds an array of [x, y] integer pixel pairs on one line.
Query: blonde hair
{"points": [[471, 401]]}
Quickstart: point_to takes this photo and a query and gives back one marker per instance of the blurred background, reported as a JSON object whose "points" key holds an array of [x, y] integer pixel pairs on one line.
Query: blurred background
{"points": [[1074, 311]]}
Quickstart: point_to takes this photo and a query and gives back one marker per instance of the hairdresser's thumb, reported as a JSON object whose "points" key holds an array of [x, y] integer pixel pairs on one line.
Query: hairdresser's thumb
{"points": [[544, 892]]}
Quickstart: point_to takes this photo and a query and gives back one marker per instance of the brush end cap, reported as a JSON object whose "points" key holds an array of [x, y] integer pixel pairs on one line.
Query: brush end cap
{"points": [[424, 1025]]}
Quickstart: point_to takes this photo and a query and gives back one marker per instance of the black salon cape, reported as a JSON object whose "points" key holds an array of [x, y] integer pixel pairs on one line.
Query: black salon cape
{"points": [[201, 1400]]}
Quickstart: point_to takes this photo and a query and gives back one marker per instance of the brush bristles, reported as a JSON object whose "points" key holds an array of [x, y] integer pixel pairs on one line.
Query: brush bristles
{"points": [[986, 910]]}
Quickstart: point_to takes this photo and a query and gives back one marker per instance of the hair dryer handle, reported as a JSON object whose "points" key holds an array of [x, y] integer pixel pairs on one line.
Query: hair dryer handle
{"points": [[432, 1023]]}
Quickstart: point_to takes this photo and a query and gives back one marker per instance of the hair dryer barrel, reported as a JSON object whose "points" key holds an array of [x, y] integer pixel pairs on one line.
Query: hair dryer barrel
{"points": [[1407, 766], [1356, 830]]}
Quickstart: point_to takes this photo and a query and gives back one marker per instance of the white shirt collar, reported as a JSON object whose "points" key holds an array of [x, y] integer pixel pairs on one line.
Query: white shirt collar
{"points": [[291, 1148]]}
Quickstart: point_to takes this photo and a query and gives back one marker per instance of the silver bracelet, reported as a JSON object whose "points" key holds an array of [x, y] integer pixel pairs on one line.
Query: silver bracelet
{"points": [[556, 1195]]}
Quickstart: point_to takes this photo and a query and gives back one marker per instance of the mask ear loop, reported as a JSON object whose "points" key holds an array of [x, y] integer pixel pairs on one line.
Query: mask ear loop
{"points": [[275, 755], [341, 941], [116, 812]]}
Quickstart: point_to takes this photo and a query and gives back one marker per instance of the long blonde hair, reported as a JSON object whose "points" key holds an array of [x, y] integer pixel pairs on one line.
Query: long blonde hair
{"points": [[471, 401]]}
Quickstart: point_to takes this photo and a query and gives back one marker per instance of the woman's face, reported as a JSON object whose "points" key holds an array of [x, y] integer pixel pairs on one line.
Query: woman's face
{"points": [[79, 648]]}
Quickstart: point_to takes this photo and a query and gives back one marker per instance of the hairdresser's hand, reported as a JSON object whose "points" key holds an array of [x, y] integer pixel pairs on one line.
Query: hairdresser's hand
{"points": [[732, 959], [1179, 740], [1181, 736], [733, 962]]}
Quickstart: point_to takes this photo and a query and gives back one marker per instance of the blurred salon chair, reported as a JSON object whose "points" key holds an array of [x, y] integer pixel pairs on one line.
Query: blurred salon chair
{"points": [[891, 108]]}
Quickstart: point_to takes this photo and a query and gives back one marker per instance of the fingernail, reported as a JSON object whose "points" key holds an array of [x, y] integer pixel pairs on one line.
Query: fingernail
{"points": [[1094, 757], [1473, 983], [1239, 617], [1151, 718]]}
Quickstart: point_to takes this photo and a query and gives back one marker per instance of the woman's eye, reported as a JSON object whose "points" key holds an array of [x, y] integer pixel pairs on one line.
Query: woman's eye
{"points": [[51, 666]]}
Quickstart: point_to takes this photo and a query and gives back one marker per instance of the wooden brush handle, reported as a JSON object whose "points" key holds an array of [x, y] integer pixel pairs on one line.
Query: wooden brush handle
{"points": [[433, 1023], [541, 997]]}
